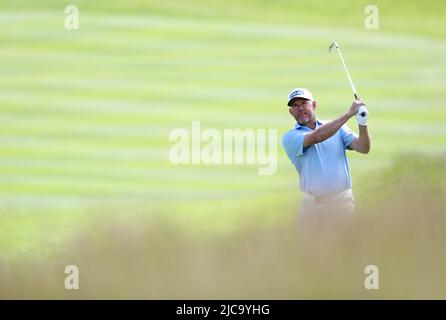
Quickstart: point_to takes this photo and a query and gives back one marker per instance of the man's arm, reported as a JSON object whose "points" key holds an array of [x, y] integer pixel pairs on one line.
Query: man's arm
{"points": [[362, 144], [330, 128]]}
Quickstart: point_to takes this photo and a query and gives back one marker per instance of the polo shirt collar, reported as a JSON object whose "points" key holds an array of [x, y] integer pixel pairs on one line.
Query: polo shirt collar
{"points": [[298, 126]]}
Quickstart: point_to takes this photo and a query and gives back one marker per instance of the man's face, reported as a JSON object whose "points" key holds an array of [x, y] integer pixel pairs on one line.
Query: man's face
{"points": [[303, 110]]}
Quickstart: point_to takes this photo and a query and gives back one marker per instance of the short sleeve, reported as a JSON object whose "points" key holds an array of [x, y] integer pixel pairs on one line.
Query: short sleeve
{"points": [[348, 136], [293, 143]]}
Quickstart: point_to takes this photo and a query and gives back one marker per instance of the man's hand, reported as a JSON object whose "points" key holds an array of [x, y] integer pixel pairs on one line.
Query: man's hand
{"points": [[362, 115], [363, 143], [355, 107]]}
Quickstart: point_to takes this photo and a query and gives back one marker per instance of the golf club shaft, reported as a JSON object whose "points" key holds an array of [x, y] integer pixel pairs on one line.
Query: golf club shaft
{"points": [[363, 114], [348, 74], [349, 78]]}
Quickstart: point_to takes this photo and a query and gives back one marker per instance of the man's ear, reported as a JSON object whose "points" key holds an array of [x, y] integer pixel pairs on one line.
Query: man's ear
{"points": [[314, 104], [289, 110]]}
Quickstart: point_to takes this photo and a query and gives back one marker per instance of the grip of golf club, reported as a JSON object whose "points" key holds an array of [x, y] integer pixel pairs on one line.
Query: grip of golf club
{"points": [[356, 97]]}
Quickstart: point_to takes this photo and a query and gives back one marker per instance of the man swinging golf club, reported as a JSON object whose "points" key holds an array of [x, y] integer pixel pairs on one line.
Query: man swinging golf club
{"points": [[317, 150]]}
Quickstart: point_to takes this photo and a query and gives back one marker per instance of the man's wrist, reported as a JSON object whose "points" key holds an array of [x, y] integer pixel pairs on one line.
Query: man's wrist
{"points": [[349, 115]]}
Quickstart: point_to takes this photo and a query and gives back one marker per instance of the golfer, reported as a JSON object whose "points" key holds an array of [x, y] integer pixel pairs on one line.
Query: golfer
{"points": [[317, 150]]}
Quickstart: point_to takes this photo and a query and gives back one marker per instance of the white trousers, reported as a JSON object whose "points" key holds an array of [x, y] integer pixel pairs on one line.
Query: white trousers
{"points": [[322, 220], [340, 204]]}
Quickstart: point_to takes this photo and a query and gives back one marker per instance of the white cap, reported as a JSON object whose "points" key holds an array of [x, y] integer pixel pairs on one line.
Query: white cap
{"points": [[299, 93]]}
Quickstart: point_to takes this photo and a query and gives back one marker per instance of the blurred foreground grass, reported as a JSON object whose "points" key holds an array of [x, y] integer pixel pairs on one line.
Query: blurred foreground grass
{"points": [[399, 228]]}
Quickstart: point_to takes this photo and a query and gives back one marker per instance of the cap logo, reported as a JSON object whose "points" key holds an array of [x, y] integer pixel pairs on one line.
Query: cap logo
{"points": [[296, 93]]}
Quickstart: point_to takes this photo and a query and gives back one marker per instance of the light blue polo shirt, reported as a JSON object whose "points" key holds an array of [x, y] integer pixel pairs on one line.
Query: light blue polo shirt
{"points": [[323, 167]]}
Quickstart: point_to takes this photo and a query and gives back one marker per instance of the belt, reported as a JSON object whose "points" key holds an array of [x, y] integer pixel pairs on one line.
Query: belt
{"points": [[319, 199], [326, 198]]}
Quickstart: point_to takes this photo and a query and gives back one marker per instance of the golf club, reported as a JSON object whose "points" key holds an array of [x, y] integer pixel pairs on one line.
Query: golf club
{"points": [[335, 44]]}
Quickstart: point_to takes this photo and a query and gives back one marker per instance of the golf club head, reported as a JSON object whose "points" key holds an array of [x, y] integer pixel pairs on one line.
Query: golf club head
{"points": [[333, 44]]}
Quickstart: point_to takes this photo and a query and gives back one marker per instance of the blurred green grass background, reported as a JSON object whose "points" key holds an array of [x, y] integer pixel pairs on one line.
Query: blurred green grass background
{"points": [[86, 114]]}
